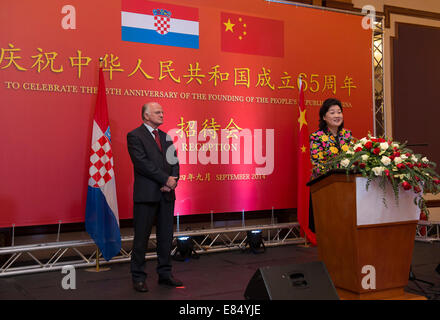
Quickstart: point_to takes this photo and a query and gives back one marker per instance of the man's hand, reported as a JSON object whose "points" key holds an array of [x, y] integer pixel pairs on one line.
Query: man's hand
{"points": [[165, 189], [172, 182]]}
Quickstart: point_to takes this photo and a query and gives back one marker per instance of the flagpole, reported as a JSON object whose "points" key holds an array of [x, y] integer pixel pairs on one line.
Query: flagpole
{"points": [[97, 258], [306, 245], [97, 268]]}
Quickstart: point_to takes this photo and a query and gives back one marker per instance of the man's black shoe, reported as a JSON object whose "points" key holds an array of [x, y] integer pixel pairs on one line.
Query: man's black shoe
{"points": [[171, 282], [140, 286]]}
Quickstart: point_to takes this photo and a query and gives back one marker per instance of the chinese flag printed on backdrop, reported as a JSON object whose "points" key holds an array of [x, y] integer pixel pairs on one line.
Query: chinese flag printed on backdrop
{"points": [[304, 170], [251, 35]]}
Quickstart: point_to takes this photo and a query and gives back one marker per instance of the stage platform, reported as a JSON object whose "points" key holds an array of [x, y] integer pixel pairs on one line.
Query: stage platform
{"points": [[215, 276]]}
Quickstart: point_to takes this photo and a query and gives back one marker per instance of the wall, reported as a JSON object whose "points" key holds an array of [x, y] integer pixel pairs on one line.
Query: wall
{"points": [[432, 6], [422, 15]]}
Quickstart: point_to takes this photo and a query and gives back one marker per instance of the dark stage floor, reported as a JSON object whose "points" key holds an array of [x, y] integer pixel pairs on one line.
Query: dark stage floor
{"points": [[216, 276]]}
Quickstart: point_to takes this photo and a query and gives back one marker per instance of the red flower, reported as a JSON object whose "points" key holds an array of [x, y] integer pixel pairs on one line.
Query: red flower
{"points": [[406, 185], [410, 165], [417, 189], [437, 181], [376, 151], [358, 149], [387, 172], [408, 154], [396, 154], [368, 145], [363, 165], [400, 166]]}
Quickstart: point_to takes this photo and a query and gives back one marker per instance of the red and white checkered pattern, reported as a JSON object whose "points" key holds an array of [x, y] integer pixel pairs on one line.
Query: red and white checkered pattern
{"points": [[101, 163], [162, 24]]}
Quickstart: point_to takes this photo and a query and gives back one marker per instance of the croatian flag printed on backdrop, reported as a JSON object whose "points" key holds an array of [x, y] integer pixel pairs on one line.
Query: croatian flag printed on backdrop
{"points": [[160, 23]]}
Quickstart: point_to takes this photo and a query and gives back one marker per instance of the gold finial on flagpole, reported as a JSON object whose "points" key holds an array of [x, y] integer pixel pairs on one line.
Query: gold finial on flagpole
{"points": [[299, 81], [101, 59]]}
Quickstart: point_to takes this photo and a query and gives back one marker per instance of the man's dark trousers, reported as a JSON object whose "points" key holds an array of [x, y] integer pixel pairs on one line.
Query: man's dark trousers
{"points": [[144, 214]]}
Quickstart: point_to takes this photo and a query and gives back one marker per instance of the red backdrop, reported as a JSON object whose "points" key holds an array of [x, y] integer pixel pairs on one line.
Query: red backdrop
{"points": [[47, 105]]}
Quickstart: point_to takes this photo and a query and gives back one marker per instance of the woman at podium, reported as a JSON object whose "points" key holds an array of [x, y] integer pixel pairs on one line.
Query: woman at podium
{"points": [[328, 141], [331, 138]]}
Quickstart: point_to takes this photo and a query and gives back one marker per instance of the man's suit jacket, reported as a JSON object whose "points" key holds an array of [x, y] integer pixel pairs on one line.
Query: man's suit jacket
{"points": [[151, 167]]}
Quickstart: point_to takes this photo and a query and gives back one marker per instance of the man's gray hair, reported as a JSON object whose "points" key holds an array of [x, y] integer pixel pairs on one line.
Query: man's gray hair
{"points": [[146, 108]]}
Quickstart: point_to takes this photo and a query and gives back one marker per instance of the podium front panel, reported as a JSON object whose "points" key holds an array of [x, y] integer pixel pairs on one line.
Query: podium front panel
{"points": [[370, 207]]}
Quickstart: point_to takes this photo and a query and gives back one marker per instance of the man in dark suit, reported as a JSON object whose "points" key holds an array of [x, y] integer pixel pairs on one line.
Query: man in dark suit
{"points": [[156, 171]]}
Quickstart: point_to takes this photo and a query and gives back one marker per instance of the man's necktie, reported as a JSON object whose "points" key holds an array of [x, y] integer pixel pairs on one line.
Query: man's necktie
{"points": [[156, 137]]}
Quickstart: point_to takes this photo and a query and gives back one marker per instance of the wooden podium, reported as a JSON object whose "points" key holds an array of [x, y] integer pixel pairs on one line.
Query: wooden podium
{"points": [[366, 246]]}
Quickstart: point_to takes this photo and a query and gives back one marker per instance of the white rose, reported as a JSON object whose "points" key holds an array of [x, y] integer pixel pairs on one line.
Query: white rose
{"points": [[385, 160], [398, 160], [365, 157], [395, 145], [378, 170], [425, 160], [384, 146], [357, 146], [404, 157], [345, 163], [363, 140], [350, 151], [414, 158]]}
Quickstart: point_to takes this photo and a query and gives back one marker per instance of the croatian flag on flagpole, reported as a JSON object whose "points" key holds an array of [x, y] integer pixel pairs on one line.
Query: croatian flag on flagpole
{"points": [[102, 218], [160, 23]]}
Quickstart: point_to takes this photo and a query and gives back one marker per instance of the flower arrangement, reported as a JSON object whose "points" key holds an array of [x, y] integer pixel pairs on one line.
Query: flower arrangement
{"points": [[390, 161]]}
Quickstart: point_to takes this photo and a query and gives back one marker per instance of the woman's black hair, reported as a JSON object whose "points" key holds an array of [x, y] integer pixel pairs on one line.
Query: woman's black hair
{"points": [[324, 108]]}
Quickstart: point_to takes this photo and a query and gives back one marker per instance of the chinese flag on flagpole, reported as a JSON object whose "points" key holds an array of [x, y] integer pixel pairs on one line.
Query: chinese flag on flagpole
{"points": [[304, 170]]}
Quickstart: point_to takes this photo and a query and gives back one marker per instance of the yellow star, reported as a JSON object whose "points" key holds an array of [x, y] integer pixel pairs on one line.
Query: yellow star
{"points": [[229, 25], [302, 119], [303, 149]]}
